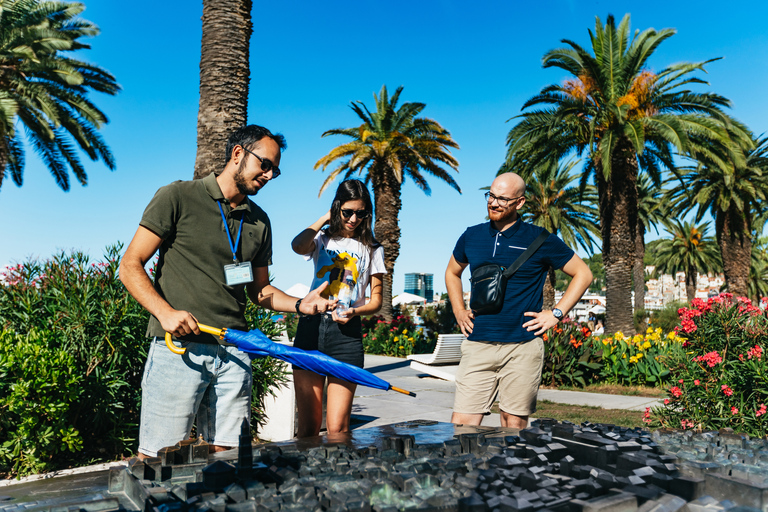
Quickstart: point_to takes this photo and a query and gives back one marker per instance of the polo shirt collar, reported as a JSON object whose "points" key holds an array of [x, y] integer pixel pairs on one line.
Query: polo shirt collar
{"points": [[507, 233], [213, 189]]}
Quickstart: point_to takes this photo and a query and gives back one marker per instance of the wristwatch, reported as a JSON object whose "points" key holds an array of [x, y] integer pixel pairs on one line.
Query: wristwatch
{"points": [[555, 312], [298, 303]]}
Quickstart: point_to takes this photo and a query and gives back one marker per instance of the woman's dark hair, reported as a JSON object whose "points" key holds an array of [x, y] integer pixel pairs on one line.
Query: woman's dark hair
{"points": [[351, 190]]}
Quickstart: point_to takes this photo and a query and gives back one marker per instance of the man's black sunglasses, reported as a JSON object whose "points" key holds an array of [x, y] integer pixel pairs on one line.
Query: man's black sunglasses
{"points": [[361, 214], [266, 164]]}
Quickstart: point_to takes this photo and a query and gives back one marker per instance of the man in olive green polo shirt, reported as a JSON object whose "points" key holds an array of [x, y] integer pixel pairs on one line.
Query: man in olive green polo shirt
{"points": [[215, 244]]}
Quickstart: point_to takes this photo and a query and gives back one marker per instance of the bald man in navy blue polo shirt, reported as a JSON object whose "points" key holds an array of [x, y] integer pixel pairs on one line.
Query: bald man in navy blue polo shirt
{"points": [[503, 354]]}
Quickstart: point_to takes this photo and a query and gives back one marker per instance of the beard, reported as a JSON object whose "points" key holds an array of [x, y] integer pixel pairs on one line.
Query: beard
{"points": [[245, 187], [504, 215]]}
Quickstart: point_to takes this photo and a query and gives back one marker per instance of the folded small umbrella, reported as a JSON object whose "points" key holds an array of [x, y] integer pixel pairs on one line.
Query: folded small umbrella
{"points": [[257, 343]]}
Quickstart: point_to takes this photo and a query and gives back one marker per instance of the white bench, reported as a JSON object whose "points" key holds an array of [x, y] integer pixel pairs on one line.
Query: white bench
{"points": [[447, 351]]}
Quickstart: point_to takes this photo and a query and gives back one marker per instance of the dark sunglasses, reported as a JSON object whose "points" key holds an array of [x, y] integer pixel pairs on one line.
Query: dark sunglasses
{"points": [[266, 164], [361, 214]]}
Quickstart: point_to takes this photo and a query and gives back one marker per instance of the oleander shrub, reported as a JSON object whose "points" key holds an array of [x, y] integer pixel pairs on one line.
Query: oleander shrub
{"points": [[640, 360], [720, 377], [72, 351], [80, 319], [398, 338], [570, 356], [40, 393]]}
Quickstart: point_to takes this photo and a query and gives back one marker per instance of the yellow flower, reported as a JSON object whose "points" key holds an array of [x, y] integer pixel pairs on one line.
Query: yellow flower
{"points": [[649, 330], [624, 356], [397, 338], [401, 347], [405, 331], [647, 345], [639, 355], [633, 359]]}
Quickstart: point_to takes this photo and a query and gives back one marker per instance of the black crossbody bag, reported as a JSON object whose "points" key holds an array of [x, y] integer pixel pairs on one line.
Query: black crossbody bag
{"points": [[489, 281]]}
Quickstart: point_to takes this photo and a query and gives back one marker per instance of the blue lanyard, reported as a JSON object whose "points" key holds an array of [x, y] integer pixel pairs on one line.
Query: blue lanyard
{"points": [[229, 236]]}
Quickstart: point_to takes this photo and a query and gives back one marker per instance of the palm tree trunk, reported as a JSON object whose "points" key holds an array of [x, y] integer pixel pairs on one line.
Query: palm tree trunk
{"points": [[386, 194], [224, 78], [618, 214], [690, 283], [638, 271], [733, 235], [548, 292]]}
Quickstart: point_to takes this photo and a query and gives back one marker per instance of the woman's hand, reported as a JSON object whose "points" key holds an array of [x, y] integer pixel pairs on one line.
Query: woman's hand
{"points": [[343, 319]]}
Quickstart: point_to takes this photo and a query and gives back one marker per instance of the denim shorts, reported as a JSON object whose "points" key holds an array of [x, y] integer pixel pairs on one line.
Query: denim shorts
{"points": [[210, 381], [342, 342]]}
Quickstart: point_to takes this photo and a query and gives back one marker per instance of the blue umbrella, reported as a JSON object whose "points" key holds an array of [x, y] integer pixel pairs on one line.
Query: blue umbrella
{"points": [[257, 343]]}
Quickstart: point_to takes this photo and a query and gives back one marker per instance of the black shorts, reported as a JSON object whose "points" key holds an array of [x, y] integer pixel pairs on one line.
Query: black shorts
{"points": [[342, 342]]}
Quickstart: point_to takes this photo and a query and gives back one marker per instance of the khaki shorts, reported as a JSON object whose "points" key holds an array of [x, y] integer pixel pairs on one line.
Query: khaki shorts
{"points": [[489, 369]]}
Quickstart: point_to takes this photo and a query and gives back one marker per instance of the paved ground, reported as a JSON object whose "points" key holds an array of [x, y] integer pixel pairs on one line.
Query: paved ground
{"points": [[434, 400]]}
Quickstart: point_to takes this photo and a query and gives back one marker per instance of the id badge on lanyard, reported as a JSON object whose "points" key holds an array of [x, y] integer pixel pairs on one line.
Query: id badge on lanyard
{"points": [[236, 273]]}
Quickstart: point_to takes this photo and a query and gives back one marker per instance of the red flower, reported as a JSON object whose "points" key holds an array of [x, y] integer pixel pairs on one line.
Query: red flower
{"points": [[755, 352], [647, 415], [728, 391], [676, 391], [762, 410], [696, 382], [711, 358], [734, 410], [666, 401]]}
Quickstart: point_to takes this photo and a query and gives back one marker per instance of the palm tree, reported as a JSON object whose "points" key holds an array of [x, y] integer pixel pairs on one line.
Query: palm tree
{"points": [[650, 211], [224, 77], [562, 210], [732, 186], [45, 90], [619, 112], [690, 250], [390, 145]]}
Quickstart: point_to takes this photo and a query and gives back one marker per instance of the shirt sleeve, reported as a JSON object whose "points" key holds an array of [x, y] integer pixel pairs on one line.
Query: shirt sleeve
{"points": [[319, 239], [459, 252], [377, 263], [556, 251], [162, 213], [263, 257]]}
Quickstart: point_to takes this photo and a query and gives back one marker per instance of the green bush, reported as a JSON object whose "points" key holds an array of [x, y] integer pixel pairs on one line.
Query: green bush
{"points": [[72, 321], [666, 319], [398, 338], [67, 305], [40, 389], [439, 319], [570, 357], [720, 379]]}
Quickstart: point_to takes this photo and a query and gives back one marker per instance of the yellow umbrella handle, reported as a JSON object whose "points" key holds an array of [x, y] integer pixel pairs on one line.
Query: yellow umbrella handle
{"points": [[173, 348], [205, 328]]}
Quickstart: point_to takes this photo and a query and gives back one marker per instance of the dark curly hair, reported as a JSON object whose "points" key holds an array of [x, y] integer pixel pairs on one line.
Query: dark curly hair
{"points": [[351, 190]]}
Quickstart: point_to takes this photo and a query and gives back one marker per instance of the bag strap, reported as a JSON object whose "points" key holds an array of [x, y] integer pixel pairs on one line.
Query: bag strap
{"points": [[527, 254]]}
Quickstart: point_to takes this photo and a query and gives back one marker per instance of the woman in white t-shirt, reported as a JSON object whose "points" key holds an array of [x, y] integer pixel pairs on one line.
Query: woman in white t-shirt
{"points": [[348, 258]]}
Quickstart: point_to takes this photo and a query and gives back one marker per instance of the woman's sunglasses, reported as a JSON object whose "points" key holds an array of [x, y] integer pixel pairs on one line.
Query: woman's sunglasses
{"points": [[361, 214]]}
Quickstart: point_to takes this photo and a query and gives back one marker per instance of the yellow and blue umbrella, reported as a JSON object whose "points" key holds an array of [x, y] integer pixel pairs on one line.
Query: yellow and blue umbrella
{"points": [[257, 343]]}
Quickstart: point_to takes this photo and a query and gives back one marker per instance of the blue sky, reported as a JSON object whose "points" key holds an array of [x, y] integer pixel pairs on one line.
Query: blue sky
{"points": [[473, 63]]}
